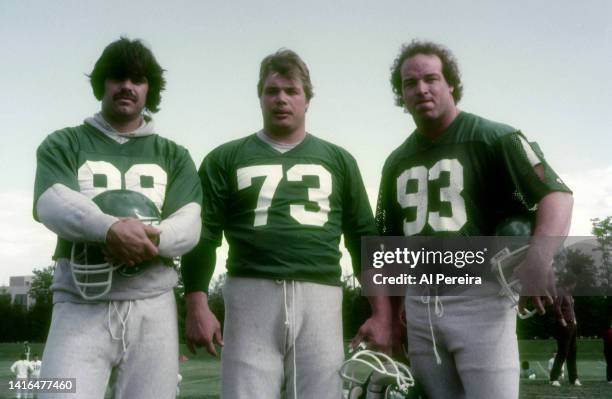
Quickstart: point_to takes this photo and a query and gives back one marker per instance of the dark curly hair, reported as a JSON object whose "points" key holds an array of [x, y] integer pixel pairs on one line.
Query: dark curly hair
{"points": [[124, 59], [450, 69], [286, 63]]}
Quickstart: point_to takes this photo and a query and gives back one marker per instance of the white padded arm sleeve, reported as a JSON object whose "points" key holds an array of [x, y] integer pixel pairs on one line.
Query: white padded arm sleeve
{"points": [[73, 216], [180, 232]]}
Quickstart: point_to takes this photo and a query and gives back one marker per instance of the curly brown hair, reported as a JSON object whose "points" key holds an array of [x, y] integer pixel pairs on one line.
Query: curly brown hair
{"points": [[450, 69]]}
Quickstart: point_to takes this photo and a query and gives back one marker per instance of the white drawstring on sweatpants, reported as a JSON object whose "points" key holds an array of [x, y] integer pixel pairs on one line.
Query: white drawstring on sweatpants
{"points": [[439, 311], [122, 322], [291, 325]]}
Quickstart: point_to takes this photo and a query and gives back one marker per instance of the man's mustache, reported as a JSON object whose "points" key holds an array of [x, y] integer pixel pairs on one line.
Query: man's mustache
{"points": [[126, 94]]}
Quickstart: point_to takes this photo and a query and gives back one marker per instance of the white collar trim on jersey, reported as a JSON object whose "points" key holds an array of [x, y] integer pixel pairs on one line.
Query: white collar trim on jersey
{"points": [[277, 145]]}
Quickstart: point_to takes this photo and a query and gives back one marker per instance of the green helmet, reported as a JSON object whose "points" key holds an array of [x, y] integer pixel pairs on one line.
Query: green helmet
{"points": [[128, 204], [515, 226], [370, 374], [91, 273]]}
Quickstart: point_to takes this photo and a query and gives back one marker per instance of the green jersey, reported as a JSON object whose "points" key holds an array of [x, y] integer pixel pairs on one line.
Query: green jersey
{"points": [[464, 182], [282, 213], [88, 161]]}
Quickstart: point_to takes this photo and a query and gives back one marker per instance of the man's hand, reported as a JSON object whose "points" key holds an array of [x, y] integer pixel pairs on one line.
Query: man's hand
{"points": [[153, 233], [376, 331], [129, 242], [539, 302], [537, 279], [201, 326], [536, 274]]}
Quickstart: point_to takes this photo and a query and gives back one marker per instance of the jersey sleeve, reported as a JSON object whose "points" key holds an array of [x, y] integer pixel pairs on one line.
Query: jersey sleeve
{"points": [[56, 162], [184, 185], [357, 219], [197, 266], [519, 158]]}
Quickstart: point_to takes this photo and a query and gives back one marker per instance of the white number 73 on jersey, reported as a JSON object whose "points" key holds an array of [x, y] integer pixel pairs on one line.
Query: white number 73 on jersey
{"points": [[419, 199], [273, 175]]}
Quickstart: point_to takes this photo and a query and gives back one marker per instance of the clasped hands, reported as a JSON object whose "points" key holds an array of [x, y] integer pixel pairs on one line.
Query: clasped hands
{"points": [[129, 242]]}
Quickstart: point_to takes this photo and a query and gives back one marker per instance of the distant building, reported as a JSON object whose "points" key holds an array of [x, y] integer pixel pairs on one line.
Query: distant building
{"points": [[19, 288]]}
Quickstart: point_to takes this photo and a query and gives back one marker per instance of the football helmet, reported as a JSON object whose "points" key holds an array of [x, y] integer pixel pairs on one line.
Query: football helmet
{"points": [[507, 259], [374, 375], [91, 273]]}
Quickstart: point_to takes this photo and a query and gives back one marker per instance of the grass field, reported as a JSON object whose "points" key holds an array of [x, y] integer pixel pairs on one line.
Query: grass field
{"points": [[201, 373]]}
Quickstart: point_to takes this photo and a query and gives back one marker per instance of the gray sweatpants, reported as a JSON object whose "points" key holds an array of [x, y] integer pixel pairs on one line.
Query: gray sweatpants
{"points": [[476, 340], [139, 338], [281, 336]]}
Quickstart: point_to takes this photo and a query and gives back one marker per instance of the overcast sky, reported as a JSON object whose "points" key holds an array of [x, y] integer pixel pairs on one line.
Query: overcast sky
{"points": [[541, 66]]}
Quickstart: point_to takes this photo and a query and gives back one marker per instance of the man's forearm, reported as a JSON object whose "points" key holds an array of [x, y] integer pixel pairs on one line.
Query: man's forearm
{"points": [[554, 215], [381, 306], [180, 231], [553, 219], [196, 298], [558, 311], [73, 216]]}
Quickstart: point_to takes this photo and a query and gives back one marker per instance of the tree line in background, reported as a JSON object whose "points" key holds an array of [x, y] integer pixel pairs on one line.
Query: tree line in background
{"points": [[21, 324], [593, 312]]}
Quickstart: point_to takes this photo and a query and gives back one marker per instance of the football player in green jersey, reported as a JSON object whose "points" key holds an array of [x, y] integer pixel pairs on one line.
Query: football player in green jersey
{"points": [[123, 202], [460, 174], [283, 198]]}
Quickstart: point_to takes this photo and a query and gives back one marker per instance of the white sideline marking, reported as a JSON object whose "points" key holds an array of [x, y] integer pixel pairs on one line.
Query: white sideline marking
{"points": [[194, 381], [543, 369]]}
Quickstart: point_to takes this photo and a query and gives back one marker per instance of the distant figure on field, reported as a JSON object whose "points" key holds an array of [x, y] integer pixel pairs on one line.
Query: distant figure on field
{"points": [[20, 369], [565, 333], [551, 361], [526, 371], [35, 366], [607, 339]]}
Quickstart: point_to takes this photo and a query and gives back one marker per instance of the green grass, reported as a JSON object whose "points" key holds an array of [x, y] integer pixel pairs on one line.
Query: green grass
{"points": [[200, 376], [542, 390], [591, 371], [588, 349], [201, 372]]}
